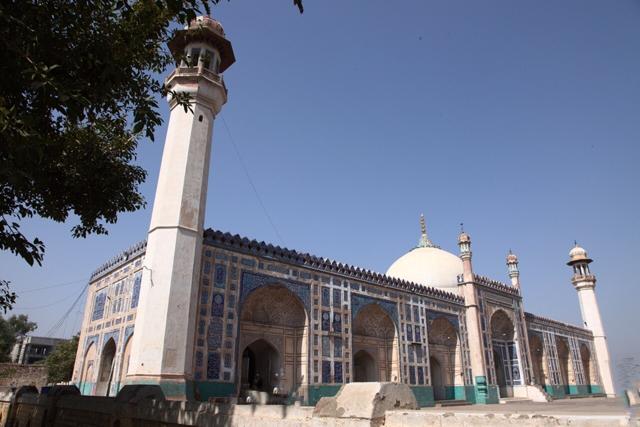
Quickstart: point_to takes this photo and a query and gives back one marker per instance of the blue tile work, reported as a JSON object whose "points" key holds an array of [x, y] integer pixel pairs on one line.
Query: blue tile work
{"points": [[326, 372], [358, 302], [326, 295], [337, 369], [199, 359], [337, 322], [326, 351], [433, 315], [213, 366], [253, 281], [409, 333], [337, 347], [326, 320], [98, 305], [220, 276], [108, 335], [214, 334], [128, 331], [93, 339], [204, 297], [420, 375], [135, 293], [337, 293], [418, 337], [217, 305]]}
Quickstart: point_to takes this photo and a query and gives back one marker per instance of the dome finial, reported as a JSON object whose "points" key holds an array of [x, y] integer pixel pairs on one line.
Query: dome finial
{"points": [[424, 241]]}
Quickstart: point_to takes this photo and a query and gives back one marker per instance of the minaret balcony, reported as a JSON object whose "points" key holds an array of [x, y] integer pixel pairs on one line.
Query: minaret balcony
{"points": [[196, 72], [589, 279]]}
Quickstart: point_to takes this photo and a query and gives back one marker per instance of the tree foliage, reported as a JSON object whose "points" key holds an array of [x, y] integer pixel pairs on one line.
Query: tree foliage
{"points": [[80, 87], [10, 330], [60, 361]]}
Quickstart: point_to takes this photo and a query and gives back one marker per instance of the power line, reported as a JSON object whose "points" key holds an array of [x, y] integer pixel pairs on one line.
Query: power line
{"points": [[56, 326], [59, 285], [255, 190]]}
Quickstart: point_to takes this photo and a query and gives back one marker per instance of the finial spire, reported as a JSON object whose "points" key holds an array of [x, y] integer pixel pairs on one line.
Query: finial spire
{"points": [[424, 241]]}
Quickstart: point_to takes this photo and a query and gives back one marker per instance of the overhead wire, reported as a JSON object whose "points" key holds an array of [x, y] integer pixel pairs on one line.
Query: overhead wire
{"points": [[56, 326], [253, 187]]}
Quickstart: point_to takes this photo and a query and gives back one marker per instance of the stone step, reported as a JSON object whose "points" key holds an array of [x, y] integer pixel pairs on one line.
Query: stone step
{"points": [[451, 402], [507, 400], [583, 396]]}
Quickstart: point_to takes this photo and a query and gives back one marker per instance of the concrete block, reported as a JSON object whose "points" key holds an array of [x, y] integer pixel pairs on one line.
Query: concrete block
{"points": [[366, 401]]}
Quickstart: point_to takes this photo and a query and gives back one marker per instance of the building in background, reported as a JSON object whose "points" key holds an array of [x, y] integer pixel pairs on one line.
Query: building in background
{"points": [[206, 314], [28, 349]]}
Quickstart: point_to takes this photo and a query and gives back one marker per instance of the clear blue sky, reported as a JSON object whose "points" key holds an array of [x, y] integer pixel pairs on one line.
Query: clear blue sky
{"points": [[521, 119]]}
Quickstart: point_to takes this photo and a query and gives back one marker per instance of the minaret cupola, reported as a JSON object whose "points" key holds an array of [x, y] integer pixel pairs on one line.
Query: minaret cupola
{"points": [[512, 267], [579, 260], [202, 45]]}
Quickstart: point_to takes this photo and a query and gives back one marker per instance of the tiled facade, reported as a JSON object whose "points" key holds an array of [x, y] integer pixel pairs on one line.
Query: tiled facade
{"points": [[325, 324]]}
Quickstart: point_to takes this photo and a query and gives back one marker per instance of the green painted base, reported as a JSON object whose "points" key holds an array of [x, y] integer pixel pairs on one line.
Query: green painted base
{"points": [[86, 389], [424, 395], [208, 389], [318, 391], [561, 391]]}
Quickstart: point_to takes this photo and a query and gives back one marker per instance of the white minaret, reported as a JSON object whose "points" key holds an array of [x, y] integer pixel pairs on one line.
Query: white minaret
{"points": [[514, 272], [163, 340], [585, 284], [468, 291]]}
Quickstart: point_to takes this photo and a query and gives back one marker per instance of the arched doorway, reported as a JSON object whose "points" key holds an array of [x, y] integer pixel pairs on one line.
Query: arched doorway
{"points": [[435, 369], [444, 349], [105, 375], [88, 369], [537, 359], [375, 333], [505, 353], [585, 356], [564, 362], [261, 366], [273, 342], [364, 367], [124, 365]]}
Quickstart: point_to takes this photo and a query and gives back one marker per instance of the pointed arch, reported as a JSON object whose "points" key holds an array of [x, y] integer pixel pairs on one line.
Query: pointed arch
{"points": [[375, 332], [107, 364]]}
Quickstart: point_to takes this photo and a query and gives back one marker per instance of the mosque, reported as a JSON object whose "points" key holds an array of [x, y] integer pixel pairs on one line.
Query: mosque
{"points": [[206, 314]]}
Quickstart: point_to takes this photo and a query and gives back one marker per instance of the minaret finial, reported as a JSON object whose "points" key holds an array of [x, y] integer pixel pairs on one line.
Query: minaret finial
{"points": [[424, 241]]}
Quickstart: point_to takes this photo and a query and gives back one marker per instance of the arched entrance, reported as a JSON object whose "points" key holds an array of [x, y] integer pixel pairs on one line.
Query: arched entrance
{"points": [[374, 332], [261, 366], [88, 369], [564, 362], [435, 369], [124, 365], [273, 342], [444, 350], [364, 367], [105, 375], [537, 359], [505, 353], [585, 356]]}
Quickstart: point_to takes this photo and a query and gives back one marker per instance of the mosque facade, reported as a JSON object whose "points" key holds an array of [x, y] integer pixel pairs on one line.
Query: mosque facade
{"points": [[207, 314]]}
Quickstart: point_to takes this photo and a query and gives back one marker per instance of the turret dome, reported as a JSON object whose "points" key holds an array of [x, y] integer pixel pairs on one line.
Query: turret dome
{"points": [[578, 254]]}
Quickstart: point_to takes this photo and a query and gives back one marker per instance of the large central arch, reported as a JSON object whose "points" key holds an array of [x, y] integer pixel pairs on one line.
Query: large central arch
{"points": [[505, 353], [273, 342], [375, 343], [445, 359]]}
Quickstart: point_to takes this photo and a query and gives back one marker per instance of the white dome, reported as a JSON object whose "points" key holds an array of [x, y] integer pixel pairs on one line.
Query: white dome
{"points": [[428, 266]]}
